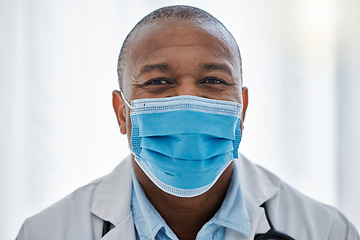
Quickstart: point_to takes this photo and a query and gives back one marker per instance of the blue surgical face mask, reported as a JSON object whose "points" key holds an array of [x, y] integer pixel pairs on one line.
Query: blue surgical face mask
{"points": [[184, 143]]}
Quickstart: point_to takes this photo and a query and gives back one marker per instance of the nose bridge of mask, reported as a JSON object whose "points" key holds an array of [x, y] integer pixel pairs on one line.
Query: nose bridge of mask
{"points": [[151, 105]]}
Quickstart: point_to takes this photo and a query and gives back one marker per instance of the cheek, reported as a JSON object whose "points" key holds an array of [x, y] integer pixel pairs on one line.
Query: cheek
{"points": [[236, 95]]}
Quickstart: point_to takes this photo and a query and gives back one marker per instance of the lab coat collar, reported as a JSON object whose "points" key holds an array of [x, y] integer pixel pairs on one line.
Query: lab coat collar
{"points": [[112, 197], [258, 186], [112, 201]]}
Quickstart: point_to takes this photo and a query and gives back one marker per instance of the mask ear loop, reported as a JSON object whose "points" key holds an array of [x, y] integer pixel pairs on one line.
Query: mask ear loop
{"points": [[123, 97], [241, 111]]}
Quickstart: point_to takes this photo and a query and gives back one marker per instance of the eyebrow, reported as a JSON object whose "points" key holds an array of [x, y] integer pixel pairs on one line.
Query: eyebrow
{"points": [[216, 66], [162, 67]]}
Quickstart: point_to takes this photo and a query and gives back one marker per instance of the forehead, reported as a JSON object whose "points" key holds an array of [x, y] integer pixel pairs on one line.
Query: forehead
{"points": [[171, 32]]}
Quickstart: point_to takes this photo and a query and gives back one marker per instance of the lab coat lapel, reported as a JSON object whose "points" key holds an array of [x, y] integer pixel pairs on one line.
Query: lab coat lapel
{"points": [[112, 202], [257, 188], [124, 230]]}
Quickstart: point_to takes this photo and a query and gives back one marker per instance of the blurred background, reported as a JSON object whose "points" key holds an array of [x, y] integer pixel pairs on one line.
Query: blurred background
{"points": [[58, 131]]}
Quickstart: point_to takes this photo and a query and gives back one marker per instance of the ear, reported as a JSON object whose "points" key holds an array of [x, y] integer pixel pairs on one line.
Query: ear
{"points": [[120, 110], [245, 104]]}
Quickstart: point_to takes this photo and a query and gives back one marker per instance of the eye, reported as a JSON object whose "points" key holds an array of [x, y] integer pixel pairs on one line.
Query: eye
{"points": [[214, 80], [157, 81]]}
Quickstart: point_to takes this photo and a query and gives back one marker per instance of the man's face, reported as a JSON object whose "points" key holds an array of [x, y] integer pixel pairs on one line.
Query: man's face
{"points": [[171, 58]]}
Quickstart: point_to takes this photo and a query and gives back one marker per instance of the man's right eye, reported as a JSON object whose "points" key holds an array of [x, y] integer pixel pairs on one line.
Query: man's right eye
{"points": [[157, 81]]}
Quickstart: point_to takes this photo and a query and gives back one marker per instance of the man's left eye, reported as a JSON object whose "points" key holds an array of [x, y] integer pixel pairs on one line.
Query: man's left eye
{"points": [[157, 81], [213, 80]]}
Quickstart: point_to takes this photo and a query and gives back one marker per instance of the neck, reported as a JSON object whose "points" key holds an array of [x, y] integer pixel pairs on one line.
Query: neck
{"points": [[185, 216]]}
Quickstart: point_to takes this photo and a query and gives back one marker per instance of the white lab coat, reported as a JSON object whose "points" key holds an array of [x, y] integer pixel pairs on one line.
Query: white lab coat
{"points": [[81, 214]]}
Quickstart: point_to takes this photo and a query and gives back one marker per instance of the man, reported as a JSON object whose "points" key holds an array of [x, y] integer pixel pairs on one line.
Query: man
{"points": [[181, 70]]}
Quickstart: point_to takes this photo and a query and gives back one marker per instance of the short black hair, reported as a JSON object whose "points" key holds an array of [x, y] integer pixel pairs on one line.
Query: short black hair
{"points": [[180, 12]]}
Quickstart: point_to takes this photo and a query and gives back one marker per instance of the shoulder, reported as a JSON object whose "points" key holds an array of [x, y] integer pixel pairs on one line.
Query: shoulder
{"points": [[291, 211], [71, 217], [71, 211]]}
